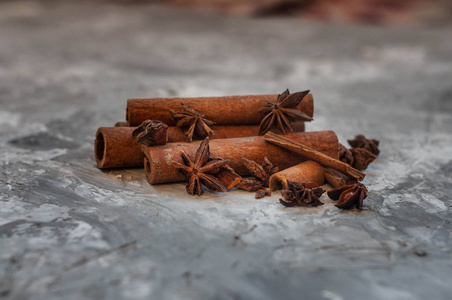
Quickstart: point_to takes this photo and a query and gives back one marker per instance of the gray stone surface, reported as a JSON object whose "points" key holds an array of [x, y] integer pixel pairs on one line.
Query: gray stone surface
{"points": [[69, 230]]}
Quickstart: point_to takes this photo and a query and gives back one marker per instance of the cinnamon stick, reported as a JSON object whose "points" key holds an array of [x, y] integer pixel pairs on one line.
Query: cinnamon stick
{"points": [[122, 124], [313, 154], [308, 171], [114, 146], [228, 110], [159, 167]]}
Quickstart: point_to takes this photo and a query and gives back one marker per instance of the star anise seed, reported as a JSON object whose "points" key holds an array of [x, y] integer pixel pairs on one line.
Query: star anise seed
{"points": [[281, 113], [301, 194], [201, 170], [193, 123], [150, 133], [360, 141], [349, 196]]}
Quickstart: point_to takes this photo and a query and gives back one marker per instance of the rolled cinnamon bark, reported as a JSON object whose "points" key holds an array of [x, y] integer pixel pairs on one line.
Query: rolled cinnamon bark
{"points": [[159, 158], [228, 110], [122, 124], [308, 171], [114, 146]]}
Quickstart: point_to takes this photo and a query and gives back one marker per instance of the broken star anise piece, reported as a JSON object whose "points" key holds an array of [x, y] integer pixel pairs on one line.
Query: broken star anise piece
{"points": [[150, 133], [262, 193], [281, 113], [345, 155], [261, 172], [201, 170], [192, 122], [360, 141], [349, 196], [301, 194], [358, 158]]}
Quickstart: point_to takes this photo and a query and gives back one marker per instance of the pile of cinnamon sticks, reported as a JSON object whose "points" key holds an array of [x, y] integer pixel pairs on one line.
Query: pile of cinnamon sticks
{"points": [[246, 142]]}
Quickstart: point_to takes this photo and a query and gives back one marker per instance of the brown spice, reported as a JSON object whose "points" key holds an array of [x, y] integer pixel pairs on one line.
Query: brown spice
{"points": [[362, 158], [192, 122], [282, 112], [262, 193], [250, 184], [150, 133], [338, 179], [302, 194], [201, 170], [361, 141], [349, 196], [308, 171], [321, 158], [228, 110], [261, 172], [160, 170], [358, 158]]}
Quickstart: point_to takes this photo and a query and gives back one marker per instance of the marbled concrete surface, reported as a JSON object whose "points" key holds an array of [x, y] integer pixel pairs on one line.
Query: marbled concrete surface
{"points": [[69, 230]]}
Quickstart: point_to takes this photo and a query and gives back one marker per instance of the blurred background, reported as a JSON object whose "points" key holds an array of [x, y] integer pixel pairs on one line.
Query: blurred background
{"points": [[383, 12]]}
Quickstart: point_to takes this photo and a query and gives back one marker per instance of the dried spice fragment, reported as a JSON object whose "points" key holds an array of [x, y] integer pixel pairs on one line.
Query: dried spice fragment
{"points": [[150, 133], [281, 113], [262, 193], [261, 172], [193, 123], [201, 170], [360, 141], [302, 194], [362, 158], [250, 184], [349, 196], [358, 158], [345, 155], [338, 179]]}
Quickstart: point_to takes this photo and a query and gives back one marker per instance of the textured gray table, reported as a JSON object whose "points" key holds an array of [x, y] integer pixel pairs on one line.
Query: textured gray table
{"points": [[69, 230]]}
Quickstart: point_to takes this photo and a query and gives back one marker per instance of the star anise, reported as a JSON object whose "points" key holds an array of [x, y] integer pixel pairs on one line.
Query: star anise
{"points": [[345, 155], [349, 196], [358, 158], [301, 194], [360, 141], [201, 170], [192, 122], [283, 112], [150, 133]]}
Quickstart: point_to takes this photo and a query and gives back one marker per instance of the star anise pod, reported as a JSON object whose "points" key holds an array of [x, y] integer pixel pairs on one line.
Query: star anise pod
{"points": [[192, 122], [201, 170], [283, 112], [301, 194], [345, 155], [358, 158], [349, 196], [360, 141], [150, 133]]}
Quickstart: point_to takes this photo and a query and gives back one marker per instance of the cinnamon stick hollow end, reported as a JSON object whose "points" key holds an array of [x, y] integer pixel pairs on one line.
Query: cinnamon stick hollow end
{"points": [[308, 171], [114, 148]]}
